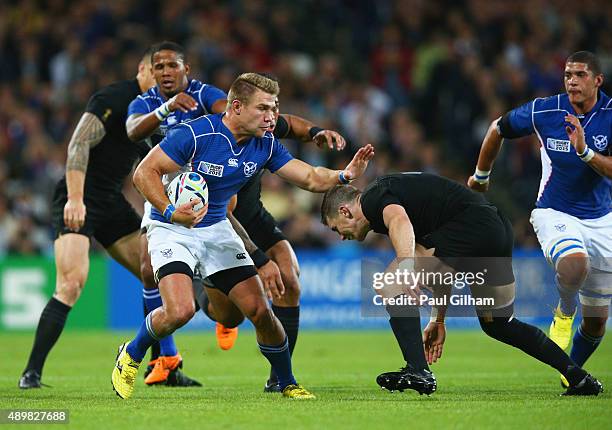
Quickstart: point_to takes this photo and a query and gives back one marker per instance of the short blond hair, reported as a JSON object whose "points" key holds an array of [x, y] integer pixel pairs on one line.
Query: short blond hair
{"points": [[247, 84]]}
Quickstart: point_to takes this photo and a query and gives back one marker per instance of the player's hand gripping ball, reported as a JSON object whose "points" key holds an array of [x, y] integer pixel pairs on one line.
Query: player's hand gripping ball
{"points": [[186, 187]]}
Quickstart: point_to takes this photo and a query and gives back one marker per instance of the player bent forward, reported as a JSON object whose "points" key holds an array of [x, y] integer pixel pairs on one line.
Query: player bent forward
{"points": [[457, 225]]}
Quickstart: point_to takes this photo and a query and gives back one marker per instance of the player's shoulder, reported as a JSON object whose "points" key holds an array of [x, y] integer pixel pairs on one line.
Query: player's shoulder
{"points": [[195, 86], [119, 90], [552, 103], [204, 124], [606, 103]]}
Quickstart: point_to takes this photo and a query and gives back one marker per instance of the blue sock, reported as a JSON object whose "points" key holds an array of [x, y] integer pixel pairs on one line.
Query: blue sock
{"points": [[280, 359], [567, 299], [153, 301], [583, 346], [143, 340]]}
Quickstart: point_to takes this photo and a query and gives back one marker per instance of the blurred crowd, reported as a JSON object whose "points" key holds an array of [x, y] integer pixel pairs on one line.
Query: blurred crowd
{"points": [[419, 79]]}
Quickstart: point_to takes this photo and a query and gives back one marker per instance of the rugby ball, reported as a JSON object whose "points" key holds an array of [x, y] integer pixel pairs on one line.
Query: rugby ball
{"points": [[186, 187]]}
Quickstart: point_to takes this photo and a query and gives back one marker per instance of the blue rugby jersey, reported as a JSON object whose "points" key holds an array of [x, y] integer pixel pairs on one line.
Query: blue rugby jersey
{"points": [[208, 146], [206, 95], [568, 184]]}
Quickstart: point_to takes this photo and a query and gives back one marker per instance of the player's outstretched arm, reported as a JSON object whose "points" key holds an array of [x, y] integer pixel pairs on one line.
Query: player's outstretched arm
{"points": [[489, 150], [304, 130], [321, 179], [141, 126], [600, 163], [87, 134], [147, 180]]}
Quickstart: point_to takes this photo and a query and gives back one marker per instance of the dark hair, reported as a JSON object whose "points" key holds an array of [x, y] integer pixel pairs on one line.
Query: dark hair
{"points": [[148, 54], [168, 46], [587, 58], [334, 197]]}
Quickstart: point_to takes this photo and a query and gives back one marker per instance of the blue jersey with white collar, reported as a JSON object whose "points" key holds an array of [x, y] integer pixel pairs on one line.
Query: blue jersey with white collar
{"points": [[206, 95], [568, 184], [208, 146]]}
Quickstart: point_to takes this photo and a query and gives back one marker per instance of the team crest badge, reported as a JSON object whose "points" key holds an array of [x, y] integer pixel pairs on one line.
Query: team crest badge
{"points": [[250, 168], [560, 227], [166, 253], [600, 141]]}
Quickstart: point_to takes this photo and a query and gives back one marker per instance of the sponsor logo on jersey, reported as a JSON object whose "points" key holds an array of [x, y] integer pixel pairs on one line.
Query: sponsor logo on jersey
{"points": [[232, 162], [171, 120], [166, 253], [250, 168], [211, 169], [241, 256], [558, 145], [600, 141]]}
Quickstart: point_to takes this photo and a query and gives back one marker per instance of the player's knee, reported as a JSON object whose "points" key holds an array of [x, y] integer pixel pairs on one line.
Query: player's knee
{"points": [[68, 289], [292, 285], [573, 270], [595, 326], [179, 315], [261, 315]]}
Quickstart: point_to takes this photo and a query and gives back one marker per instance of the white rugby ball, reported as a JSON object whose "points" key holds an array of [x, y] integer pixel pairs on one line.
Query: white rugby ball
{"points": [[186, 187]]}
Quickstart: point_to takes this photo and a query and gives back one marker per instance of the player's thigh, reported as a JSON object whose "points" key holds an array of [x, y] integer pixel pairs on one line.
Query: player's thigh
{"points": [[284, 256], [248, 295], [177, 296], [146, 269], [71, 261], [126, 251], [224, 310], [560, 237]]}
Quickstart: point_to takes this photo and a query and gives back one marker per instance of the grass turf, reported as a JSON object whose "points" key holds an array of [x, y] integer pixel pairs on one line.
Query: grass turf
{"points": [[481, 384]]}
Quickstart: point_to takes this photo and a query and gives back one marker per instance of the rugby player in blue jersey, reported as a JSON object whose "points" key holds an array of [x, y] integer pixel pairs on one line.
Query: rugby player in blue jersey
{"points": [[227, 149], [572, 218], [176, 99]]}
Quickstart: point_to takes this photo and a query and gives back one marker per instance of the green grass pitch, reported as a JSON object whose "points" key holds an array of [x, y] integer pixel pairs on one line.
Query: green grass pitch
{"points": [[481, 384]]}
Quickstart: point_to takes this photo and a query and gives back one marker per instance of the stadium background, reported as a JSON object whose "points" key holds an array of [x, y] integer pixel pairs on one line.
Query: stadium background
{"points": [[420, 80]]}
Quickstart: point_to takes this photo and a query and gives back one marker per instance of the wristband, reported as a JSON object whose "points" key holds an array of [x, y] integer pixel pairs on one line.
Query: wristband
{"points": [[433, 317], [162, 112], [343, 179], [314, 131], [259, 258], [481, 176], [169, 211], [587, 155]]}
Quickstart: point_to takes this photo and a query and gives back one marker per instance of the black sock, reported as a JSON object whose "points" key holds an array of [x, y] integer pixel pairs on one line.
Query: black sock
{"points": [[50, 326], [534, 342], [407, 331], [155, 348], [289, 318]]}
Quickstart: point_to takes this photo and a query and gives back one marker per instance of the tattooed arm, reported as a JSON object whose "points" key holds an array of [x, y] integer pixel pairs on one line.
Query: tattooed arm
{"points": [[87, 134]]}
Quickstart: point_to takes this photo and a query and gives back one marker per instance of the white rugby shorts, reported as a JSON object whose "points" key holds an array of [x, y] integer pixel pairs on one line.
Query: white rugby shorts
{"points": [[210, 249], [561, 234]]}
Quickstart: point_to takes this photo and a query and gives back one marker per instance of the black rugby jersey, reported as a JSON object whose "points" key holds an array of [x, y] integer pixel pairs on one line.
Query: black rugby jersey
{"points": [[429, 200], [112, 159]]}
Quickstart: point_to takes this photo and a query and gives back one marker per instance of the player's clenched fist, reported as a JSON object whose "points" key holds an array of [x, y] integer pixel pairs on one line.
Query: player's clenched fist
{"points": [[74, 214], [183, 102], [477, 186]]}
